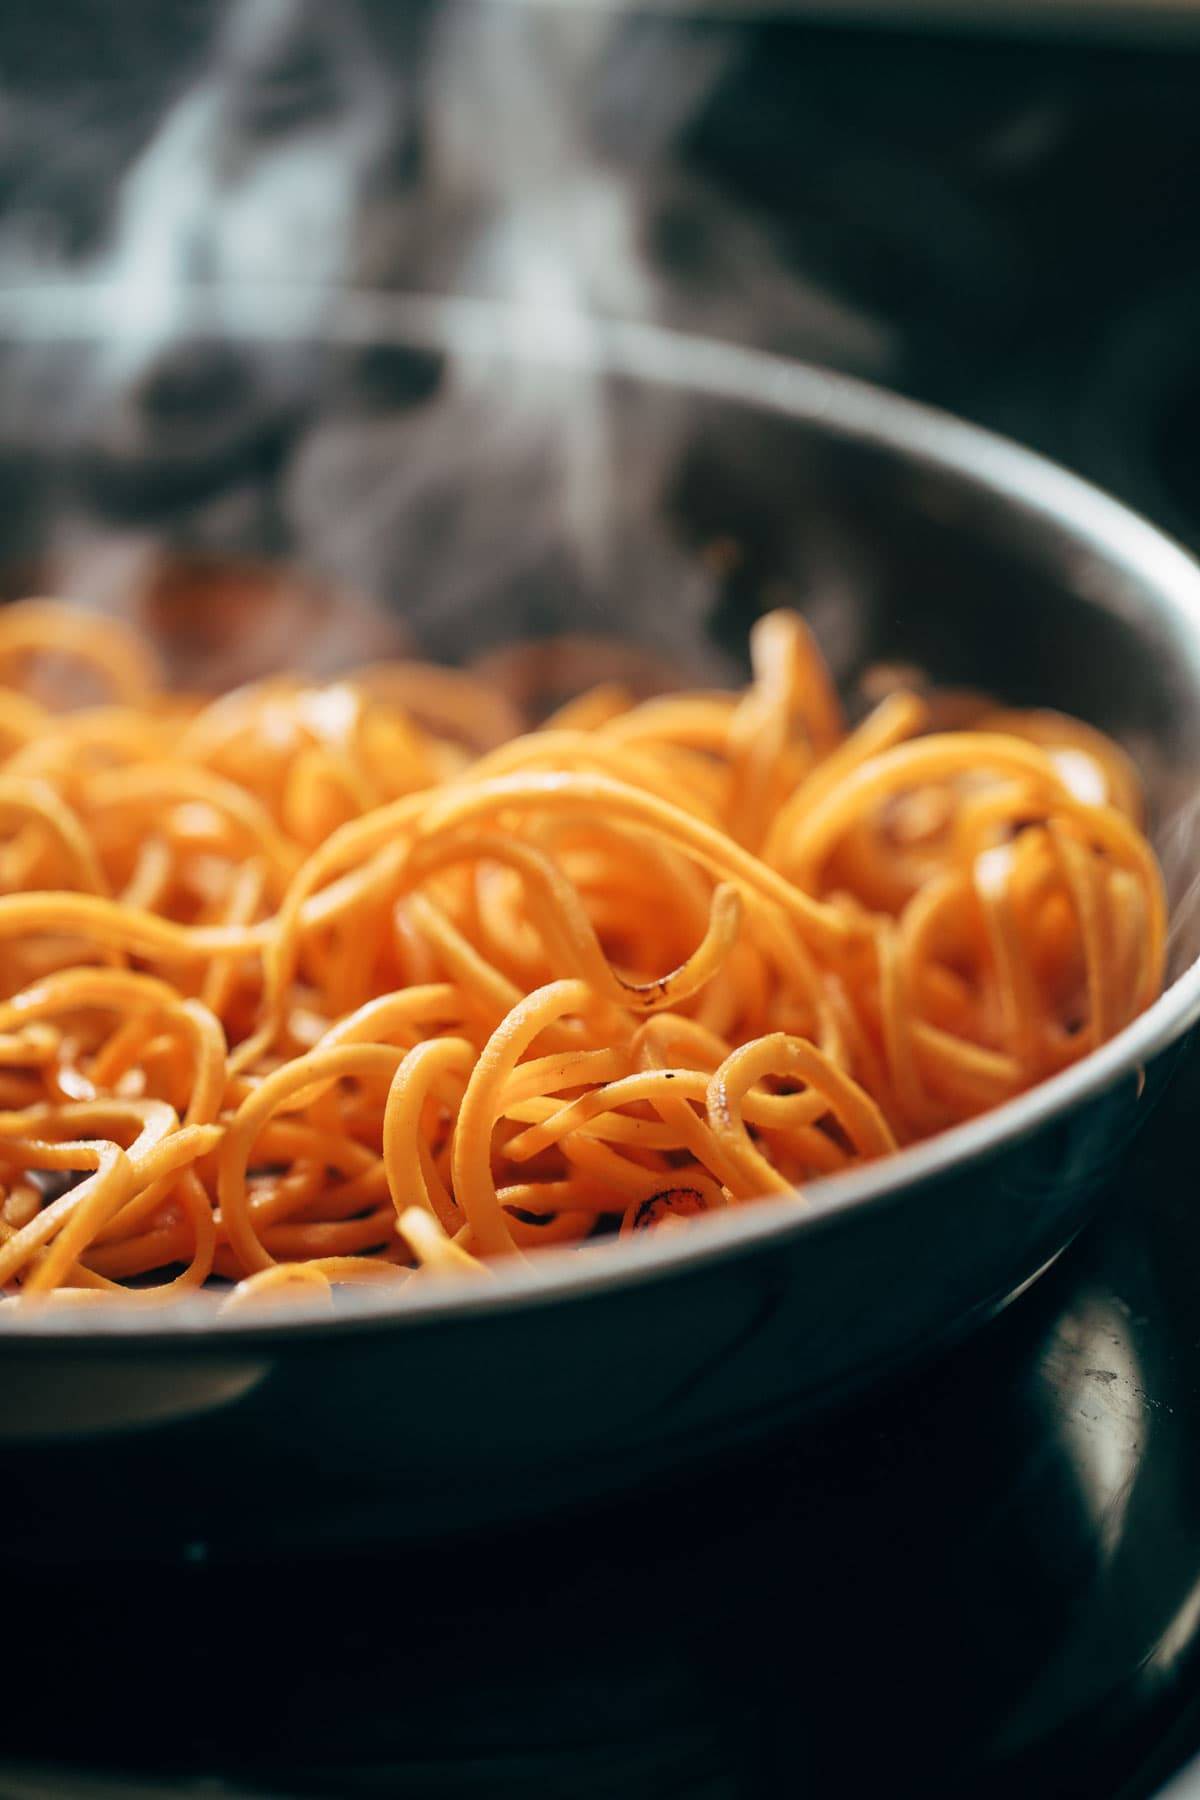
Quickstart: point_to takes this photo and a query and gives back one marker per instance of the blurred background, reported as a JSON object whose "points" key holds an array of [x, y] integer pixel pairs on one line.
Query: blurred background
{"points": [[991, 207]]}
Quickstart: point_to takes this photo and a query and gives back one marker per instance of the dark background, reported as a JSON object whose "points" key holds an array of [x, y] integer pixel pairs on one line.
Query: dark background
{"points": [[1005, 223]]}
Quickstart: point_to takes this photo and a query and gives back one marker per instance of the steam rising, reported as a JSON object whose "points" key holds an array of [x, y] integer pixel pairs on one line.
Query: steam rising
{"points": [[520, 154]]}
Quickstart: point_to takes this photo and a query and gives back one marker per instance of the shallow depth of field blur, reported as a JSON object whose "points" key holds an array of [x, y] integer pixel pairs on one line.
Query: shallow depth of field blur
{"points": [[997, 220]]}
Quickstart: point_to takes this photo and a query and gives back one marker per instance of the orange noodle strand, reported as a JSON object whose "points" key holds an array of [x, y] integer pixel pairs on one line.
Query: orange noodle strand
{"points": [[311, 986]]}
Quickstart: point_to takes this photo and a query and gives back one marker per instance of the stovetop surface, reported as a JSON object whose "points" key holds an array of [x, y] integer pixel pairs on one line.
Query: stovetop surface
{"points": [[985, 1579]]}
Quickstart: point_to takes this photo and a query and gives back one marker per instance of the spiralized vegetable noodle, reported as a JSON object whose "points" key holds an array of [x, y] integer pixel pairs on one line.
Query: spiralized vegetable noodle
{"points": [[315, 985]]}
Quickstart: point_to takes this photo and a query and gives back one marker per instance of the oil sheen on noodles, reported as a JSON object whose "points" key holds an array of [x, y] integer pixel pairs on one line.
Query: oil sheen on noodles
{"points": [[366, 982]]}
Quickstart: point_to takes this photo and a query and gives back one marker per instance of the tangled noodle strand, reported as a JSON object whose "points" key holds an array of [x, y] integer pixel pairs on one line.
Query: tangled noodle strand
{"points": [[310, 986]]}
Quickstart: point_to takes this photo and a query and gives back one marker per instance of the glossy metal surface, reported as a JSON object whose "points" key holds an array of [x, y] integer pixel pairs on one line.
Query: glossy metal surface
{"points": [[985, 1582], [910, 538]]}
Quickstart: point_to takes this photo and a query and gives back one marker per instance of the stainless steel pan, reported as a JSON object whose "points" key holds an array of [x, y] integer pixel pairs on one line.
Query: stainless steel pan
{"points": [[913, 538]]}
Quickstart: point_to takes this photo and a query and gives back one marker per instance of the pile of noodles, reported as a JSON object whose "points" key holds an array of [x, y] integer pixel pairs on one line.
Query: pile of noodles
{"points": [[360, 983]]}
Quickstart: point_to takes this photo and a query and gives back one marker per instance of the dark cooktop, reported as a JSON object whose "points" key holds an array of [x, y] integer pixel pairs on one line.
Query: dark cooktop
{"points": [[987, 1579]]}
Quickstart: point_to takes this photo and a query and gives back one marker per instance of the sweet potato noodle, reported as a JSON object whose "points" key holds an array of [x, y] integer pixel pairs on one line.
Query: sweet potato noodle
{"points": [[362, 983]]}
